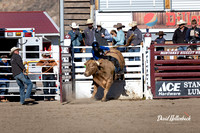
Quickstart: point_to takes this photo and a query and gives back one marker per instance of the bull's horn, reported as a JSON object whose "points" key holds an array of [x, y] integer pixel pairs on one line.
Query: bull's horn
{"points": [[97, 63]]}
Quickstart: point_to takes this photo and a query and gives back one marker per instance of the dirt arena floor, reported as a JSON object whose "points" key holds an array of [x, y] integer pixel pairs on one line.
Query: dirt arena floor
{"points": [[89, 116]]}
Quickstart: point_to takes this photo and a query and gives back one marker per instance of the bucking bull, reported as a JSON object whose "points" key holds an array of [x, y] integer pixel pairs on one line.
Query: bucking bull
{"points": [[103, 71]]}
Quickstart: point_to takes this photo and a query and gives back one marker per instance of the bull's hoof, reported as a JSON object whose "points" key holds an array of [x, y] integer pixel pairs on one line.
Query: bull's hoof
{"points": [[103, 100], [92, 98]]}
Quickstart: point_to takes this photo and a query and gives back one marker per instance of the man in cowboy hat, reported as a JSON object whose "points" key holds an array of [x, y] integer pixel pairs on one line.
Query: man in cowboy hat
{"points": [[120, 38], [160, 40], [76, 38], [102, 35], [89, 36], [18, 70], [48, 68], [136, 38], [89, 33], [179, 35]]}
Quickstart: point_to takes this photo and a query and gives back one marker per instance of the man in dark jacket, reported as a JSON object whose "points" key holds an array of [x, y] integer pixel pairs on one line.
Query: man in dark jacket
{"points": [[18, 70], [102, 35], [180, 34]]}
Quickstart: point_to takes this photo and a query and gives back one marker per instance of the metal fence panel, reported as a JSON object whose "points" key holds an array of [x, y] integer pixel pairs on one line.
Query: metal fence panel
{"points": [[35, 74], [185, 5], [131, 5], [133, 74]]}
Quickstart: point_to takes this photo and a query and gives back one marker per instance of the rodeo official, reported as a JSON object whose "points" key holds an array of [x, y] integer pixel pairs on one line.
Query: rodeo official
{"points": [[18, 70]]}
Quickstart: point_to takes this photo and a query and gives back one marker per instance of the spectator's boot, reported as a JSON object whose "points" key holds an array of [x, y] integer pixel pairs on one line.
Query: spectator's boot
{"points": [[29, 100]]}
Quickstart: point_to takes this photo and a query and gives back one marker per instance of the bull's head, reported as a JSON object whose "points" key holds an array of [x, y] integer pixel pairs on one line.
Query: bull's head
{"points": [[91, 67]]}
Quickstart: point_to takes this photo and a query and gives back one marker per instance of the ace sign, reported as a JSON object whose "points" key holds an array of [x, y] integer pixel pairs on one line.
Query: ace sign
{"points": [[177, 88]]}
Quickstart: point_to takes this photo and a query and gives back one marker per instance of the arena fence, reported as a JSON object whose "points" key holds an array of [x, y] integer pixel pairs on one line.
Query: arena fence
{"points": [[36, 76], [66, 73], [147, 73], [133, 76], [175, 74]]}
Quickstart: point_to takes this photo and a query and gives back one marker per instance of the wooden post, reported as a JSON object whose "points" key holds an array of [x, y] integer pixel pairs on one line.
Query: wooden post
{"points": [[96, 4], [167, 4]]}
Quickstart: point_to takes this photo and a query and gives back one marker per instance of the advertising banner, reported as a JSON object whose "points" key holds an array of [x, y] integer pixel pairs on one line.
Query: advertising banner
{"points": [[164, 20], [177, 88]]}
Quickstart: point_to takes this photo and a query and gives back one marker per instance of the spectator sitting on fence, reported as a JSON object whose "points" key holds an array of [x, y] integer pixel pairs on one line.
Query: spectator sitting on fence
{"points": [[4, 77], [102, 35], [48, 64], [76, 38], [193, 35], [179, 36], [134, 38], [98, 53], [160, 40], [120, 38]]}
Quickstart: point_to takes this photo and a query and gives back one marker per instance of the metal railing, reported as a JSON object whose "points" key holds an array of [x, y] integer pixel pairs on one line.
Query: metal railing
{"points": [[170, 76], [35, 74]]}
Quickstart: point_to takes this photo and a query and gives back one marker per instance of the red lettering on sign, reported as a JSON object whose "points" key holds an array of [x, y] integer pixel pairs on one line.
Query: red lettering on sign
{"points": [[180, 16], [188, 18], [170, 18], [199, 20], [194, 17], [183, 15]]}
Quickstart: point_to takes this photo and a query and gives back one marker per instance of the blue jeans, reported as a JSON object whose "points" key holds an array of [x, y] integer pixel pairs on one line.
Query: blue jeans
{"points": [[88, 50], [4, 85], [49, 84], [21, 80], [136, 49], [182, 48], [121, 49]]}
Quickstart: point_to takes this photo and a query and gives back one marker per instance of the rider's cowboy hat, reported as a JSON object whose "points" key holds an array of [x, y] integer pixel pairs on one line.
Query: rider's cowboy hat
{"points": [[13, 49], [89, 21], [160, 33], [181, 22], [74, 25], [133, 24], [118, 25]]}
